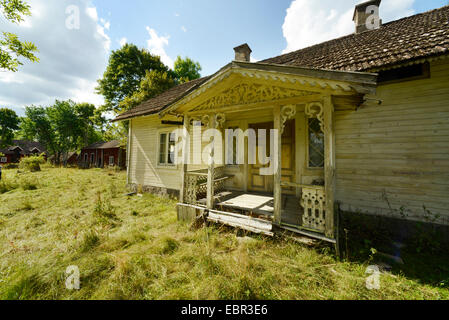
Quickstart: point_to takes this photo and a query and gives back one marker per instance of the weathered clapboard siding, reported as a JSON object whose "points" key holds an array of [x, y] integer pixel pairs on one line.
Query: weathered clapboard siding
{"points": [[143, 158], [396, 155]]}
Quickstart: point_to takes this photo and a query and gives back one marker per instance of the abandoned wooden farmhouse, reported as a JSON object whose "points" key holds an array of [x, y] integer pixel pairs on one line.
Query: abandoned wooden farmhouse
{"points": [[20, 149], [103, 154], [364, 123]]}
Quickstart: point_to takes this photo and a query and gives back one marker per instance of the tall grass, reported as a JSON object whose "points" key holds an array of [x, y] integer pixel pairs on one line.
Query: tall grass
{"points": [[134, 248]]}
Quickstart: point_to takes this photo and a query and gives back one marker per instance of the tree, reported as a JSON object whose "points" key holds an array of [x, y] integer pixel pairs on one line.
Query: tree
{"points": [[126, 69], [186, 69], [11, 48], [154, 83], [9, 122]]}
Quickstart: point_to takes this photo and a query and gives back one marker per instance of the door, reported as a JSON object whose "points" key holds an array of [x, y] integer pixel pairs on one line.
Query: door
{"points": [[259, 183]]}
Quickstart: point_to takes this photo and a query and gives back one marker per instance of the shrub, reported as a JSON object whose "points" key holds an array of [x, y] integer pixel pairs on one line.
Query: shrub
{"points": [[32, 163]]}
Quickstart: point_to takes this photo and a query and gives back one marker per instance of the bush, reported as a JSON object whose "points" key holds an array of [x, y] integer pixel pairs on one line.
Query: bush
{"points": [[32, 163]]}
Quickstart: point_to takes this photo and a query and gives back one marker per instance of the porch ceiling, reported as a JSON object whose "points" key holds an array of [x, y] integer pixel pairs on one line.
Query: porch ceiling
{"points": [[241, 84]]}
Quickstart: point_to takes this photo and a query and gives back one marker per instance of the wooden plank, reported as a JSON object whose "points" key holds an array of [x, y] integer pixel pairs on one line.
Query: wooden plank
{"points": [[240, 221]]}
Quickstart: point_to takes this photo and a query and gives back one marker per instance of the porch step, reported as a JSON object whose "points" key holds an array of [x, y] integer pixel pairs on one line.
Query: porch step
{"points": [[254, 225]]}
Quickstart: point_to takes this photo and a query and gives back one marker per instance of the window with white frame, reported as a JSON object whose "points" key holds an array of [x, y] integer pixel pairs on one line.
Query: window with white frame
{"points": [[167, 143], [111, 160], [316, 144], [3, 159]]}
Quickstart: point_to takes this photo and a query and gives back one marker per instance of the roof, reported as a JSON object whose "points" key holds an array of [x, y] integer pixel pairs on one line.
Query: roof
{"points": [[26, 147], [105, 145], [163, 100], [400, 41], [408, 39]]}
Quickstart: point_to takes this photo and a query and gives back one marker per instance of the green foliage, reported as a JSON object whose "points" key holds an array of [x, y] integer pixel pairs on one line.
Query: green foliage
{"points": [[32, 163], [126, 69], [186, 69], [9, 122], [11, 48], [154, 83], [62, 127]]}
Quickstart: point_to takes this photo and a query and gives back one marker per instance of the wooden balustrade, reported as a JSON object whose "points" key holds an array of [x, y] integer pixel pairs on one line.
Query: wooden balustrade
{"points": [[195, 187]]}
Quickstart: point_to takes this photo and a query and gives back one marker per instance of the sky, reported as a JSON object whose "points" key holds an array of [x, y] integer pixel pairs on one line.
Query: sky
{"points": [[74, 51]]}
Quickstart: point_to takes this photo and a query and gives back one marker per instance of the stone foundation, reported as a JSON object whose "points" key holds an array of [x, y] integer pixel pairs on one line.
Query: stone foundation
{"points": [[163, 192]]}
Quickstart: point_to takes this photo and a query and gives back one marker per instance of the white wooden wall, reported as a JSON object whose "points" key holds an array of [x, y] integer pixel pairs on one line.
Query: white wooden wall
{"points": [[397, 154]]}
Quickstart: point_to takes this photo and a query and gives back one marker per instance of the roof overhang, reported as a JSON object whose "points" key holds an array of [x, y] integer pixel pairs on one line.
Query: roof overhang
{"points": [[319, 80]]}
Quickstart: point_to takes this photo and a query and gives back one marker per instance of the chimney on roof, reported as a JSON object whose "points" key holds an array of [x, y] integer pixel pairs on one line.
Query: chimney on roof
{"points": [[243, 53], [366, 16]]}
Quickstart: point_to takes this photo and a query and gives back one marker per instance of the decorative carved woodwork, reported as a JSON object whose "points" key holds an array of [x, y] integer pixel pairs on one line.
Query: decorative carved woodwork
{"points": [[287, 113], [314, 203], [250, 93], [316, 110]]}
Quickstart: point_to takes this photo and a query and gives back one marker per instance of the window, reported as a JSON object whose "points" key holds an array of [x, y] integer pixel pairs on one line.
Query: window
{"points": [[3, 159], [414, 72], [92, 158], [86, 157], [167, 143], [316, 144], [111, 160]]}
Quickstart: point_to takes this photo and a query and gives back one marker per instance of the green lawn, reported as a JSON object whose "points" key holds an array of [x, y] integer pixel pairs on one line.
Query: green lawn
{"points": [[134, 248]]}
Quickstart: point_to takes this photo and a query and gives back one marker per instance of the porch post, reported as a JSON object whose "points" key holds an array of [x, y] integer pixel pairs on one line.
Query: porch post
{"points": [[185, 156], [277, 159], [329, 166], [211, 168]]}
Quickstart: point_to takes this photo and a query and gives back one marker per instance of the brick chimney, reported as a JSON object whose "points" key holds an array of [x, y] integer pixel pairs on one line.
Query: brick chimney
{"points": [[243, 53], [366, 16]]}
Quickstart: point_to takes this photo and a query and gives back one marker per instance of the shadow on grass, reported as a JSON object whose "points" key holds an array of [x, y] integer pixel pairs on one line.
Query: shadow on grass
{"points": [[420, 248]]}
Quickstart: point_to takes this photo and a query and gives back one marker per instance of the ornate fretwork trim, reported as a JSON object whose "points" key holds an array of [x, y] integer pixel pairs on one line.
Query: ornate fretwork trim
{"points": [[250, 93], [220, 119], [287, 113], [316, 110]]}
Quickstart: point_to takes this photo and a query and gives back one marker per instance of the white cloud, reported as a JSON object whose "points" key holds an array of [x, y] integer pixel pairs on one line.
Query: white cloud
{"points": [[156, 44], [123, 41], [70, 60], [184, 29], [311, 22]]}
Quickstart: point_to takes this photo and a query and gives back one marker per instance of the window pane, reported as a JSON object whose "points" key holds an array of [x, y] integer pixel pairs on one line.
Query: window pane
{"points": [[171, 148], [163, 149], [316, 144]]}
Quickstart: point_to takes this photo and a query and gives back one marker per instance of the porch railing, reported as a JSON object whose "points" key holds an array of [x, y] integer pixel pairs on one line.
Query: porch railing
{"points": [[313, 201], [195, 187]]}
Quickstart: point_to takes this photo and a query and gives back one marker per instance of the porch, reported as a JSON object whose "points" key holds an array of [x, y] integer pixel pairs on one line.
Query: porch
{"points": [[255, 211], [292, 190]]}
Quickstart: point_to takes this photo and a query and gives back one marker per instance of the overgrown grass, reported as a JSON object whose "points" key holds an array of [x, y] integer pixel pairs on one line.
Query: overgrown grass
{"points": [[134, 248]]}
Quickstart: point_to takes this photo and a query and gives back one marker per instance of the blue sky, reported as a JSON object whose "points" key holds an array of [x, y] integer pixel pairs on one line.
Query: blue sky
{"points": [[211, 28], [71, 60]]}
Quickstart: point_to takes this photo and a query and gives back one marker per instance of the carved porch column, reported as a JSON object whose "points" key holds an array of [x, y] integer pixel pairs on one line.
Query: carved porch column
{"points": [[213, 121], [277, 159], [185, 156], [281, 115], [329, 165]]}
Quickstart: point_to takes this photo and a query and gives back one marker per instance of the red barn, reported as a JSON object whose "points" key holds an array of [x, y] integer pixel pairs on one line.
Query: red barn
{"points": [[103, 154], [20, 149]]}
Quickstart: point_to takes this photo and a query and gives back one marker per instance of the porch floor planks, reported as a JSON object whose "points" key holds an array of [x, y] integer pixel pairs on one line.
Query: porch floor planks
{"points": [[259, 204]]}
